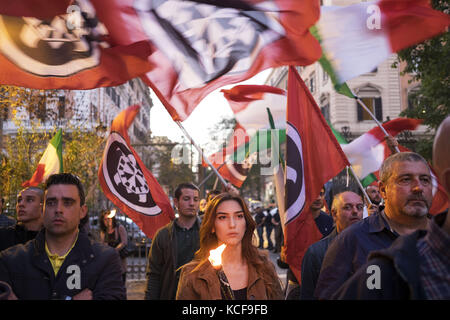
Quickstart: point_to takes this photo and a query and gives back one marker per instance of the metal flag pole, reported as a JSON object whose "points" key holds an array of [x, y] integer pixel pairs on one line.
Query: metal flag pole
{"points": [[360, 185], [224, 182], [362, 104]]}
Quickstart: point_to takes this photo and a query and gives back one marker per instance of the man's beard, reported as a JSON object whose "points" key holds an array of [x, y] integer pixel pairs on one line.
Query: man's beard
{"points": [[415, 210]]}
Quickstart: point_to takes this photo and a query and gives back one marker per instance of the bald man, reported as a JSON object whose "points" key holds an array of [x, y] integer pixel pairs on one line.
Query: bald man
{"points": [[416, 266], [346, 209]]}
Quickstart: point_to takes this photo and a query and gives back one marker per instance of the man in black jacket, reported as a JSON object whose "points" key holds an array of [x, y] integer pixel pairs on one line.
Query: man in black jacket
{"points": [[29, 218], [174, 245], [416, 266], [61, 262]]}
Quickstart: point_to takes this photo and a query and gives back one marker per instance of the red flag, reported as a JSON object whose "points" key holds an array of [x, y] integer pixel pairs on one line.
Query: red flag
{"points": [[313, 156], [35, 8], [61, 52], [128, 183], [201, 45]]}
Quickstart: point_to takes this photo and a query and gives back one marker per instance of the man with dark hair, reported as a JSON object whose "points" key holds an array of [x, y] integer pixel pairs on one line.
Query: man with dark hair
{"points": [[417, 265], [29, 218], [174, 245], [5, 221], [407, 192], [61, 262]]}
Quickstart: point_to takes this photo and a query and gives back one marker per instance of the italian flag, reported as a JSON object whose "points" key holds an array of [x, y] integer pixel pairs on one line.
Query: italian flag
{"points": [[253, 133], [355, 39], [367, 152], [50, 163]]}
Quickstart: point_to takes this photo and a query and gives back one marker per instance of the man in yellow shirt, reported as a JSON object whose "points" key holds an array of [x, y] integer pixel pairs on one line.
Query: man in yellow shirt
{"points": [[61, 262]]}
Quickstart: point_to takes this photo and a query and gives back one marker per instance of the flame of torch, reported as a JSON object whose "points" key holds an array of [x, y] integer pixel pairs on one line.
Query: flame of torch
{"points": [[111, 214], [215, 256]]}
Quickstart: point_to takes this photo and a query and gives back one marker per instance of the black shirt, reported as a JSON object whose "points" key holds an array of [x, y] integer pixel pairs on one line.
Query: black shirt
{"points": [[187, 243], [324, 223], [13, 235]]}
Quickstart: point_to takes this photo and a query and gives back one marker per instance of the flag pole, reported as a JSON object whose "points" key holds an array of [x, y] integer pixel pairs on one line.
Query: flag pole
{"points": [[360, 185], [362, 104], [209, 175], [201, 153]]}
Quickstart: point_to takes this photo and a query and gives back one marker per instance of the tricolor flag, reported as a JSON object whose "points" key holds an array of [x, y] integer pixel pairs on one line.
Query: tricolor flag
{"points": [[202, 45], [313, 156], [128, 183], [50, 163], [367, 152], [253, 132], [44, 47], [355, 39]]}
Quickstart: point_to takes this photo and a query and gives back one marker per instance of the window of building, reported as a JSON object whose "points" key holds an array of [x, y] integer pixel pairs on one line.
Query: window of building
{"points": [[325, 106], [371, 97]]}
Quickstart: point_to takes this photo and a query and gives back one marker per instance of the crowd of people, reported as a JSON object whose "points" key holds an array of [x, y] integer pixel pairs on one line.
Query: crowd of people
{"points": [[391, 248]]}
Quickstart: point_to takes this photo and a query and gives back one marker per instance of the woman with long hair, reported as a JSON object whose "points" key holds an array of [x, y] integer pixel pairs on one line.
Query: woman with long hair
{"points": [[249, 273], [115, 235]]}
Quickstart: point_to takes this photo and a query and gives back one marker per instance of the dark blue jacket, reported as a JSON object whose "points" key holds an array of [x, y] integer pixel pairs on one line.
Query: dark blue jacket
{"points": [[27, 269], [399, 273], [349, 251], [311, 263], [399, 267]]}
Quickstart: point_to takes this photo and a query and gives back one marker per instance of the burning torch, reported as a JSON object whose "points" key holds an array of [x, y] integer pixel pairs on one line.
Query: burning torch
{"points": [[215, 258]]}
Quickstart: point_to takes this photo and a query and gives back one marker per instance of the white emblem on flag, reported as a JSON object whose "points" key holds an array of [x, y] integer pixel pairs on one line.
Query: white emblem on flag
{"points": [[295, 178], [124, 177]]}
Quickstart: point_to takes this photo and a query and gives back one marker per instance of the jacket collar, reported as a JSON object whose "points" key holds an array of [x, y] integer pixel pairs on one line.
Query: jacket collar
{"points": [[208, 273], [377, 223], [82, 249]]}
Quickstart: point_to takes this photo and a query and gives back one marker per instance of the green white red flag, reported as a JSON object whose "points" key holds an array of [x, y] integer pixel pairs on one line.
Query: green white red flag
{"points": [[356, 38], [50, 163]]}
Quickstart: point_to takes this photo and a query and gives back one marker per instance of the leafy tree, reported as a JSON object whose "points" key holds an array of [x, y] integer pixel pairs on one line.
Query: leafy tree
{"points": [[21, 151], [429, 63]]}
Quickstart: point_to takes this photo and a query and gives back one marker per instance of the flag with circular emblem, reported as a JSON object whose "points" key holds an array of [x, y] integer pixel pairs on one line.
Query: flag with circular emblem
{"points": [[128, 183]]}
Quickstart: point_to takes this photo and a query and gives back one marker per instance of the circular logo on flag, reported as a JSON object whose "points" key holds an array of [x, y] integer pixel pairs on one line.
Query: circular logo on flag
{"points": [[295, 179], [48, 47], [125, 178]]}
